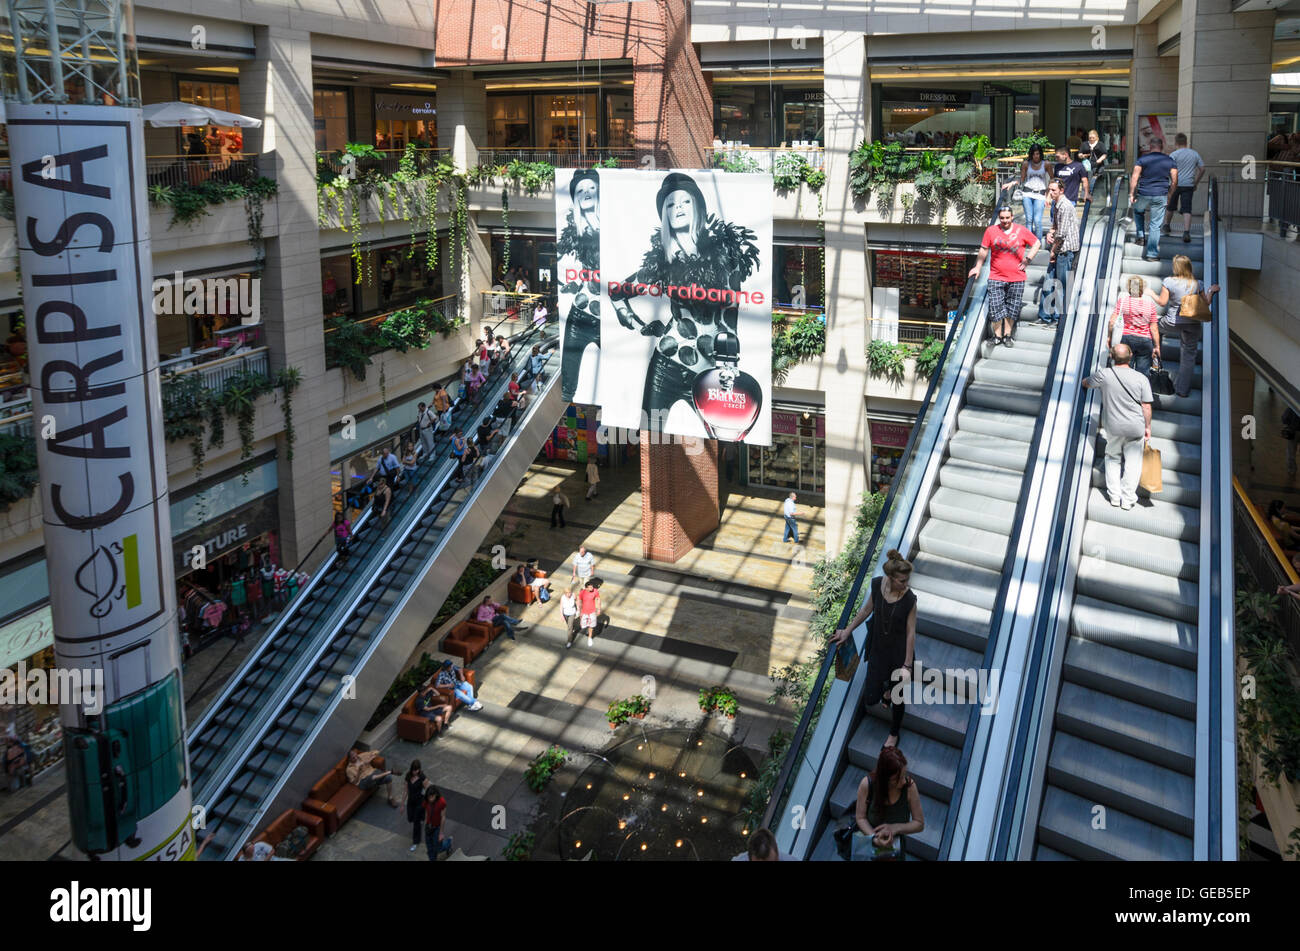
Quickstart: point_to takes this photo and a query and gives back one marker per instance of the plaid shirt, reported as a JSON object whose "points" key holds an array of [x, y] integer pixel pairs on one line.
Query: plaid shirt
{"points": [[1066, 225]]}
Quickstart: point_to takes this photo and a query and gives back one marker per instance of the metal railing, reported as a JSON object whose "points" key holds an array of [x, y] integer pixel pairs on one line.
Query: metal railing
{"points": [[1266, 562], [561, 158], [501, 306], [1263, 193], [174, 171], [765, 157], [388, 164], [216, 374]]}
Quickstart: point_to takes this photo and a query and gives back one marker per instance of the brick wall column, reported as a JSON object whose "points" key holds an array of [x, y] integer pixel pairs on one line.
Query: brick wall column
{"points": [[672, 107], [844, 378], [277, 85], [679, 495]]}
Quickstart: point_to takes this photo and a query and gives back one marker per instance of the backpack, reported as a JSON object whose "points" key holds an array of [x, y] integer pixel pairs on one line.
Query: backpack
{"points": [[543, 594]]}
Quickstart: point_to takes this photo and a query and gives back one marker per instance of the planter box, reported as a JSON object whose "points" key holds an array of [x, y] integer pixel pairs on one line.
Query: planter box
{"points": [[374, 213], [906, 208]]}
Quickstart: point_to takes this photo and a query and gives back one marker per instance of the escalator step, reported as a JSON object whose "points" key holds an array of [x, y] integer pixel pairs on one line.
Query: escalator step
{"points": [[973, 511], [1067, 825], [965, 581], [1143, 591], [1123, 546], [1179, 488], [1139, 632], [961, 543], [1013, 426], [1139, 679], [931, 763], [1131, 728], [977, 477], [1140, 788], [989, 450], [1153, 516]]}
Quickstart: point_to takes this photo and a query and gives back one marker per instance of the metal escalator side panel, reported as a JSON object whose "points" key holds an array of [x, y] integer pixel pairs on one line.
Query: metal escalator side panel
{"points": [[338, 722], [1215, 833], [820, 764]]}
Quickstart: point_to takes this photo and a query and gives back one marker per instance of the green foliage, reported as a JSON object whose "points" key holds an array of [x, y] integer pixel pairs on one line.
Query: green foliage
{"points": [[348, 345], [1275, 717], [288, 380], [189, 203], [18, 472], [1021, 143], [962, 174], [795, 341], [719, 698], [790, 169], [620, 711], [239, 399], [887, 360], [540, 770], [520, 847], [737, 163], [927, 358], [530, 177], [610, 162]]}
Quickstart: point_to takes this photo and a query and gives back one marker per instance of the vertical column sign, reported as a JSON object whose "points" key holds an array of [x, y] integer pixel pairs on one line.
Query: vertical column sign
{"points": [[82, 223]]}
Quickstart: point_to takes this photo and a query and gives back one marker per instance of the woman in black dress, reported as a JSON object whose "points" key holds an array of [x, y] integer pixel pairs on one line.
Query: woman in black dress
{"points": [[416, 784], [690, 247], [579, 251], [891, 637]]}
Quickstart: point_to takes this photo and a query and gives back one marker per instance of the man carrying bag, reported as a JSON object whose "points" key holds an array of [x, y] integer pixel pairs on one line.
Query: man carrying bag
{"points": [[1126, 416]]}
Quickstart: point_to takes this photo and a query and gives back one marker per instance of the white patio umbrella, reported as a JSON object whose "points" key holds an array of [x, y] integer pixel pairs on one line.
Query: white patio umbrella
{"points": [[175, 114]]}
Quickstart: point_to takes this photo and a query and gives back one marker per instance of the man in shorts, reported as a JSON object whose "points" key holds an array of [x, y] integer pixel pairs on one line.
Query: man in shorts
{"points": [[1191, 167], [364, 775], [588, 609], [1012, 247]]}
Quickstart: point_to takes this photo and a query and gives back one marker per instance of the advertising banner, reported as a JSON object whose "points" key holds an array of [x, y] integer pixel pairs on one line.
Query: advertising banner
{"points": [[1151, 135], [686, 326], [577, 249]]}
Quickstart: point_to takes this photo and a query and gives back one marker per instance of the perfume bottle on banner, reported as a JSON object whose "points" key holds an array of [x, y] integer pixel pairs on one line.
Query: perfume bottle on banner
{"points": [[727, 398]]}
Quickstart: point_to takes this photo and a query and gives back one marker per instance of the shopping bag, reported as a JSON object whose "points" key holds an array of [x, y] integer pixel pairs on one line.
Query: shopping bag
{"points": [[1195, 307], [1151, 478], [1162, 384], [846, 660]]}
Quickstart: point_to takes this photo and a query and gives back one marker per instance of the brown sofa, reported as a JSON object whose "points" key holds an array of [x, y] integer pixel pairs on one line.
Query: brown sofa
{"points": [[289, 820], [335, 799], [467, 640], [523, 593], [417, 729]]}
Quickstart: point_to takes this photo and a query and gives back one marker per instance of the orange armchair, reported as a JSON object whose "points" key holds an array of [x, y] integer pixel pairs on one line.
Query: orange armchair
{"points": [[415, 728], [335, 799], [523, 593], [467, 640], [289, 820]]}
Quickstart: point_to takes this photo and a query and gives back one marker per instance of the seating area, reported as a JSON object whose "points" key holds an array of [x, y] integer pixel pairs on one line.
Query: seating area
{"points": [[522, 593], [289, 820], [468, 640], [417, 729], [335, 799]]}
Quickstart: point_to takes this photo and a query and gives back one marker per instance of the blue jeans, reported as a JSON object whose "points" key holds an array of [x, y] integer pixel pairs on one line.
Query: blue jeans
{"points": [[1058, 270], [434, 844], [1033, 212], [1148, 217], [508, 622], [791, 529], [1143, 349], [464, 693]]}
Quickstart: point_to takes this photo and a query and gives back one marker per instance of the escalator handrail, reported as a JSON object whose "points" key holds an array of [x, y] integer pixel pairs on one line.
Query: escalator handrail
{"points": [[1000, 607], [359, 610], [869, 557], [251, 663], [1034, 681]]}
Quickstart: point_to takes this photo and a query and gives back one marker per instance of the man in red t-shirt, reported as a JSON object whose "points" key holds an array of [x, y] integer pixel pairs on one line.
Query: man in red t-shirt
{"points": [[435, 811], [588, 608], [1012, 246]]}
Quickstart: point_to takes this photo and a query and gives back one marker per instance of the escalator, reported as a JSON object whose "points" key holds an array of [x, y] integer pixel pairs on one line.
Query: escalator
{"points": [[954, 512], [304, 695], [1137, 760]]}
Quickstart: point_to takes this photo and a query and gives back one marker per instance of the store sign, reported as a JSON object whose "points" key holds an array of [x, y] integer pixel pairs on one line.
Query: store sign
{"points": [[785, 423], [911, 96], [686, 324], [221, 536], [1016, 88], [1082, 102], [893, 435], [84, 255], [405, 107], [26, 636], [814, 95]]}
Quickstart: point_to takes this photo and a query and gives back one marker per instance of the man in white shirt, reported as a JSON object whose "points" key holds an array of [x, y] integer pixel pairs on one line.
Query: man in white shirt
{"points": [[1126, 417], [584, 563], [791, 526], [427, 421], [1190, 169]]}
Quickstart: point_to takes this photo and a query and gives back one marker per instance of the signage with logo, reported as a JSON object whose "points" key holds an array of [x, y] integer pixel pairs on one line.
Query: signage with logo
{"points": [[389, 106], [814, 95], [1082, 102], [26, 636], [893, 435], [911, 96], [222, 536]]}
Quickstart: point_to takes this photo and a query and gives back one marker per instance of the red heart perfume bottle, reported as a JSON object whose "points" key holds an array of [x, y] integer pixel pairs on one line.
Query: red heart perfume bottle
{"points": [[727, 398]]}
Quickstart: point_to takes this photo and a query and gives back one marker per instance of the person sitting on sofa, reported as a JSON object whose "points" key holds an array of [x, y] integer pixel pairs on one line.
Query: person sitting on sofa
{"points": [[430, 706], [451, 676], [525, 576], [498, 615], [363, 775]]}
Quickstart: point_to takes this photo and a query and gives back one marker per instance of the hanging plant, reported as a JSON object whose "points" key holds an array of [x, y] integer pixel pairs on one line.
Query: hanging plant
{"points": [[505, 224], [462, 237], [239, 399], [383, 384], [431, 226], [288, 380], [347, 345]]}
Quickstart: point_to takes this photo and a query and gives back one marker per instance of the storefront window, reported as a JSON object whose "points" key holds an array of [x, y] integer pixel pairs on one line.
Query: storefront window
{"points": [[399, 275], [797, 457], [1112, 120], [620, 132], [933, 117], [888, 440], [217, 315], [219, 144], [336, 286], [508, 123], [566, 121], [331, 119], [534, 257], [401, 120], [797, 276], [929, 284], [1083, 111], [803, 115]]}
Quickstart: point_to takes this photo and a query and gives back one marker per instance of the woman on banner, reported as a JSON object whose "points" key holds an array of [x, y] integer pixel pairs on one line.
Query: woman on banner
{"points": [[689, 249], [579, 251]]}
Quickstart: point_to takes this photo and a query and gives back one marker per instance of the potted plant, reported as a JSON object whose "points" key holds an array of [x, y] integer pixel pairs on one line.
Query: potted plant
{"points": [[718, 698], [620, 711], [520, 847], [707, 704], [541, 769]]}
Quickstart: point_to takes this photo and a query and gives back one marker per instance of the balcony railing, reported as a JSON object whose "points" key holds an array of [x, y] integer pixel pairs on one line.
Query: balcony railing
{"points": [[814, 155], [388, 165], [216, 373], [176, 170], [448, 305], [913, 333], [507, 306], [561, 158], [1263, 193]]}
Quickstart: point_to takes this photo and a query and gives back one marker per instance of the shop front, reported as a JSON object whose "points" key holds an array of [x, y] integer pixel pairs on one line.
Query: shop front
{"points": [[333, 117], [389, 278], [532, 255], [402, 119], [929, 282], [225, 542], [1103, 108], [797, 457], [560, 120], [888, 440], [219, 145], [938, 116], [26, 645], [768, 114]]}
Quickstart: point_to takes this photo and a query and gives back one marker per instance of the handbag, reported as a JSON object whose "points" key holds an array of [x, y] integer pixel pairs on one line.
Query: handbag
{"points": [[1151, 480], [1162, 383], [1194, 307]]}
